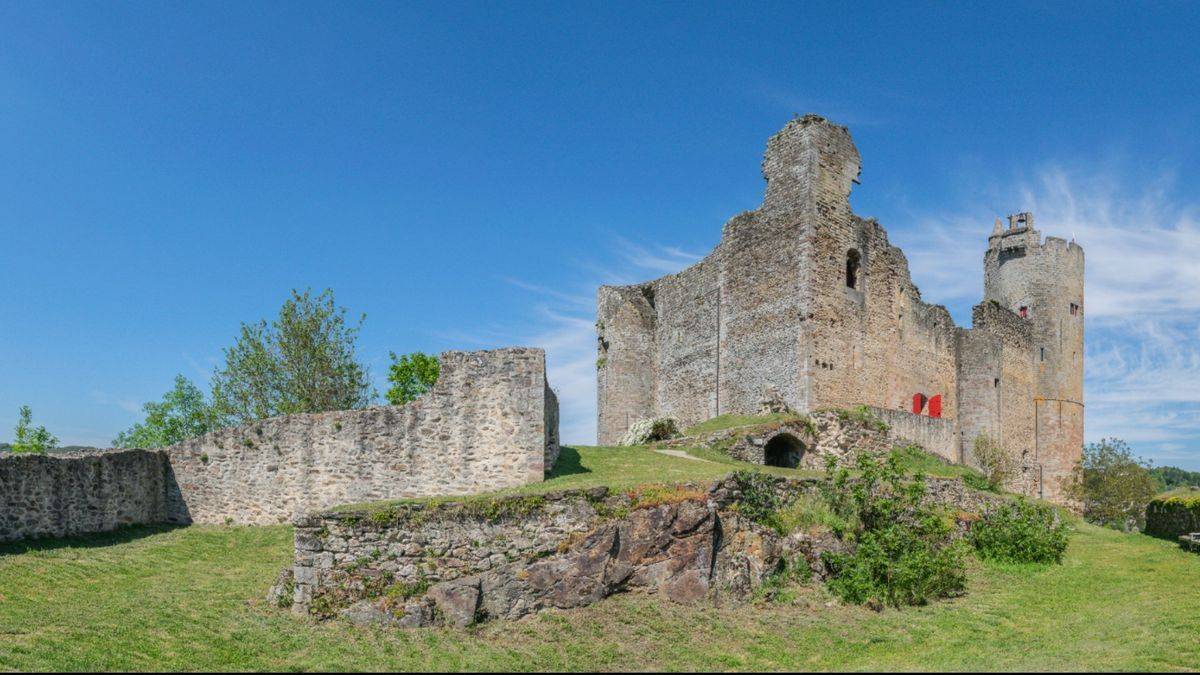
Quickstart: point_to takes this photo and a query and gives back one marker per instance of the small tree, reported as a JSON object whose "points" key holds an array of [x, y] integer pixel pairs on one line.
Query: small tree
{"points": [[182, 414], [301, 362], [997, 464], [903, 552], [411, 375], [1113, 486], [31, 439]]}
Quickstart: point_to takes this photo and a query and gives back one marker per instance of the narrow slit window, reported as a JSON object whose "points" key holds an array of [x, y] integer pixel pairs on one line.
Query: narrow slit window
{"points": [[853, 262]]}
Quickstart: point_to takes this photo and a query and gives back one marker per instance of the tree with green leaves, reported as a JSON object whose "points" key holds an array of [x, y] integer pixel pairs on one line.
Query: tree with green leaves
{"points": [[31, 439], [183, 413], [995, 461], [1112, 485], [411, 375], [301, 362]]}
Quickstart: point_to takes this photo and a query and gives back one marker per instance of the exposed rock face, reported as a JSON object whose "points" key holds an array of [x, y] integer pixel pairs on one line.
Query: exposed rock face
{"points": [[457, 564], [650, 430]]}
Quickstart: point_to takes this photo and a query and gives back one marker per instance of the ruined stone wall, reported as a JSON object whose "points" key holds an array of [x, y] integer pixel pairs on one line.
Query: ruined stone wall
{"points": [[553, 442], [491, 422], [687, 368], [805, 302], [769, 311], [64, 495], [877, 344], [996, 380], [936, 435], [626, 361], [486, 425]]}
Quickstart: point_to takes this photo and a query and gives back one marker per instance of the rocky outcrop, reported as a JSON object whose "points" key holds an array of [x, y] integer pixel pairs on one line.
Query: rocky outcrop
{"points": [[650, 430], [460, 563]]}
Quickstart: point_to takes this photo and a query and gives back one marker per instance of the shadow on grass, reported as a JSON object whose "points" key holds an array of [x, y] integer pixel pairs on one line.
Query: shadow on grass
{"points": [[122, 535], [569, 463]]}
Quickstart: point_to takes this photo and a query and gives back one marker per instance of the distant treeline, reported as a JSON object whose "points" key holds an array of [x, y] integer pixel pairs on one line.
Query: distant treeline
{"points": [[1171, 477], [5, 447]]}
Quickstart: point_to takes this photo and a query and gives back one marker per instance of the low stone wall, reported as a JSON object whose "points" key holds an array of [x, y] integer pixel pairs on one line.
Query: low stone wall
{"points": [[1172, 517], [491, 422], [486, 425], [936, 435], [61, 495], [458, 563]]}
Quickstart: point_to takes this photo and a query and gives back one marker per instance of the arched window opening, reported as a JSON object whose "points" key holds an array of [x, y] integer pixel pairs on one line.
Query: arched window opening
{"points": [[853, 262], [784, 450]]}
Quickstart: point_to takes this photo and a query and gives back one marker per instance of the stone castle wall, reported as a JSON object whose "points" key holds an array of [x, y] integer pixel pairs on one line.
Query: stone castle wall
{"points": [[804, 301], [64, 495], [939, 436], [490, 422]]}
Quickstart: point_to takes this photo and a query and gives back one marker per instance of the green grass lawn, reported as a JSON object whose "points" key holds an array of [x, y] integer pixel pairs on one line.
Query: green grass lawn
{"points": [[619, 468], [192, 599]]}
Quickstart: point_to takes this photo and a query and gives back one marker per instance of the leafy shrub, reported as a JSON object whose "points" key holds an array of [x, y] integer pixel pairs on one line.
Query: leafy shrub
{"points": [[759, 500], [903, 550], [31, 439], [411, 375], [1113, 486], [804, 513], [303, 361], [997, 463], [1021, 531], [779, 584], [183, 413]]}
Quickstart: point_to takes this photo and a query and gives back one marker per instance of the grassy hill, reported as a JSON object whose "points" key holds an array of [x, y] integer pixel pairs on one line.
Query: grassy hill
{"points": [[192, 598]]}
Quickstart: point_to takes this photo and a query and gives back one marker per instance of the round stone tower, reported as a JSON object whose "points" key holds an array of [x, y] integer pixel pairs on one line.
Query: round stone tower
{"points": [[1042, 282]]}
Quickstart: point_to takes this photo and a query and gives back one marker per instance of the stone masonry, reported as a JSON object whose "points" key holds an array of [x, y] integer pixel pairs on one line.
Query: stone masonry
{"points": [[804, 300], [490, 422], [461, 562]]}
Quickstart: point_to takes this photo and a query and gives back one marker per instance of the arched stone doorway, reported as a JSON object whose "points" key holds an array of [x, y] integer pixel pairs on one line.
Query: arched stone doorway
{"points": [[783, 450]]}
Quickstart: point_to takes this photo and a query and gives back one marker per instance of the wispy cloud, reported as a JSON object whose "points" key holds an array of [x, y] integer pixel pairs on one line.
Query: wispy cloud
{"points": [[565, 324], [126, 403]]}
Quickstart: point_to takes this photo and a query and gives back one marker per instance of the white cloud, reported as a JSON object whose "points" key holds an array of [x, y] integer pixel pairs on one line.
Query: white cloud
{"points": [[567, 325]]}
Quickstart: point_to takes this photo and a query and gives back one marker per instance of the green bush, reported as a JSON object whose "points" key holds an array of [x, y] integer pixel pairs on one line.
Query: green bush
{"points": [[1021, 531], [759, 502], [903, 552], [30, 439]]}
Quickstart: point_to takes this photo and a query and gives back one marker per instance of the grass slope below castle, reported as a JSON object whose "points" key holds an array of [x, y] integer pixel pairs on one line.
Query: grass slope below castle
{"points": [[192, 598]]}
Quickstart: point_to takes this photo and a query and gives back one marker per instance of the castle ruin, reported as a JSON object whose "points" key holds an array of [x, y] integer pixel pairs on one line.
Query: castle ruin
{"points": [[806, 303]]}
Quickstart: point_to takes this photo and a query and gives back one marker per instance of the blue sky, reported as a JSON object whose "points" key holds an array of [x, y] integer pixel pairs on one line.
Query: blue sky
{"points": [[467, 174]]}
